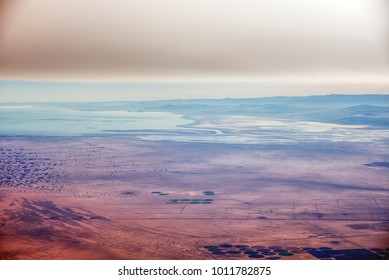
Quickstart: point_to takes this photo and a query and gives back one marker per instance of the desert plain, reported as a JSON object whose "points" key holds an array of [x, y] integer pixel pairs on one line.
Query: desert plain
{"points": [[120, 196]]}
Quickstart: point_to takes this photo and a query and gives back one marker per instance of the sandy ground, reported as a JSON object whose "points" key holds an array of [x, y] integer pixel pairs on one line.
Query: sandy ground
{"points": [[121, 198]]}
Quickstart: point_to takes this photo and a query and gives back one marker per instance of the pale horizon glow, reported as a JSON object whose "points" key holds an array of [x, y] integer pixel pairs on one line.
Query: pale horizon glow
{"points": [[43, 91]]}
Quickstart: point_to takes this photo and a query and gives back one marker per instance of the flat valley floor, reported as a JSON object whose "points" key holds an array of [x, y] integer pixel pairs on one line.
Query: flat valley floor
{"points": [[123, 198]]}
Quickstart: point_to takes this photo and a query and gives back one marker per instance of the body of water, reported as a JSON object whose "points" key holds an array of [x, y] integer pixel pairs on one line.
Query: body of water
{"points": [[57, 121], [80, 120]]}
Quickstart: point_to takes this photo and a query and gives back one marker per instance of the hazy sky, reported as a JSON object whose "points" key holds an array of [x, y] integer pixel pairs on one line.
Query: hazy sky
{"points": [[324, 45]]}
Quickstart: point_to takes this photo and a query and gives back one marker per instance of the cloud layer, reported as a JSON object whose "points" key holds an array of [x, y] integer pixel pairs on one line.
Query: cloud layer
{"points": [[195, 39]]}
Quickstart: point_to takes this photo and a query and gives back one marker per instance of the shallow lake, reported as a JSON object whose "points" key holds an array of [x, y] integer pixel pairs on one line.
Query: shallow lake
{"points": [[57, 121]]}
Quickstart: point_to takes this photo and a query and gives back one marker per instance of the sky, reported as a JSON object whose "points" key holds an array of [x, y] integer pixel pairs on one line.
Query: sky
{"points": [[250, 48]]}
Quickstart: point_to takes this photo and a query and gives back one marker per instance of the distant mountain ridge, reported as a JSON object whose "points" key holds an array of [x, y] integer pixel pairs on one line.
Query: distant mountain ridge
{"points": [[367, 99]]}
